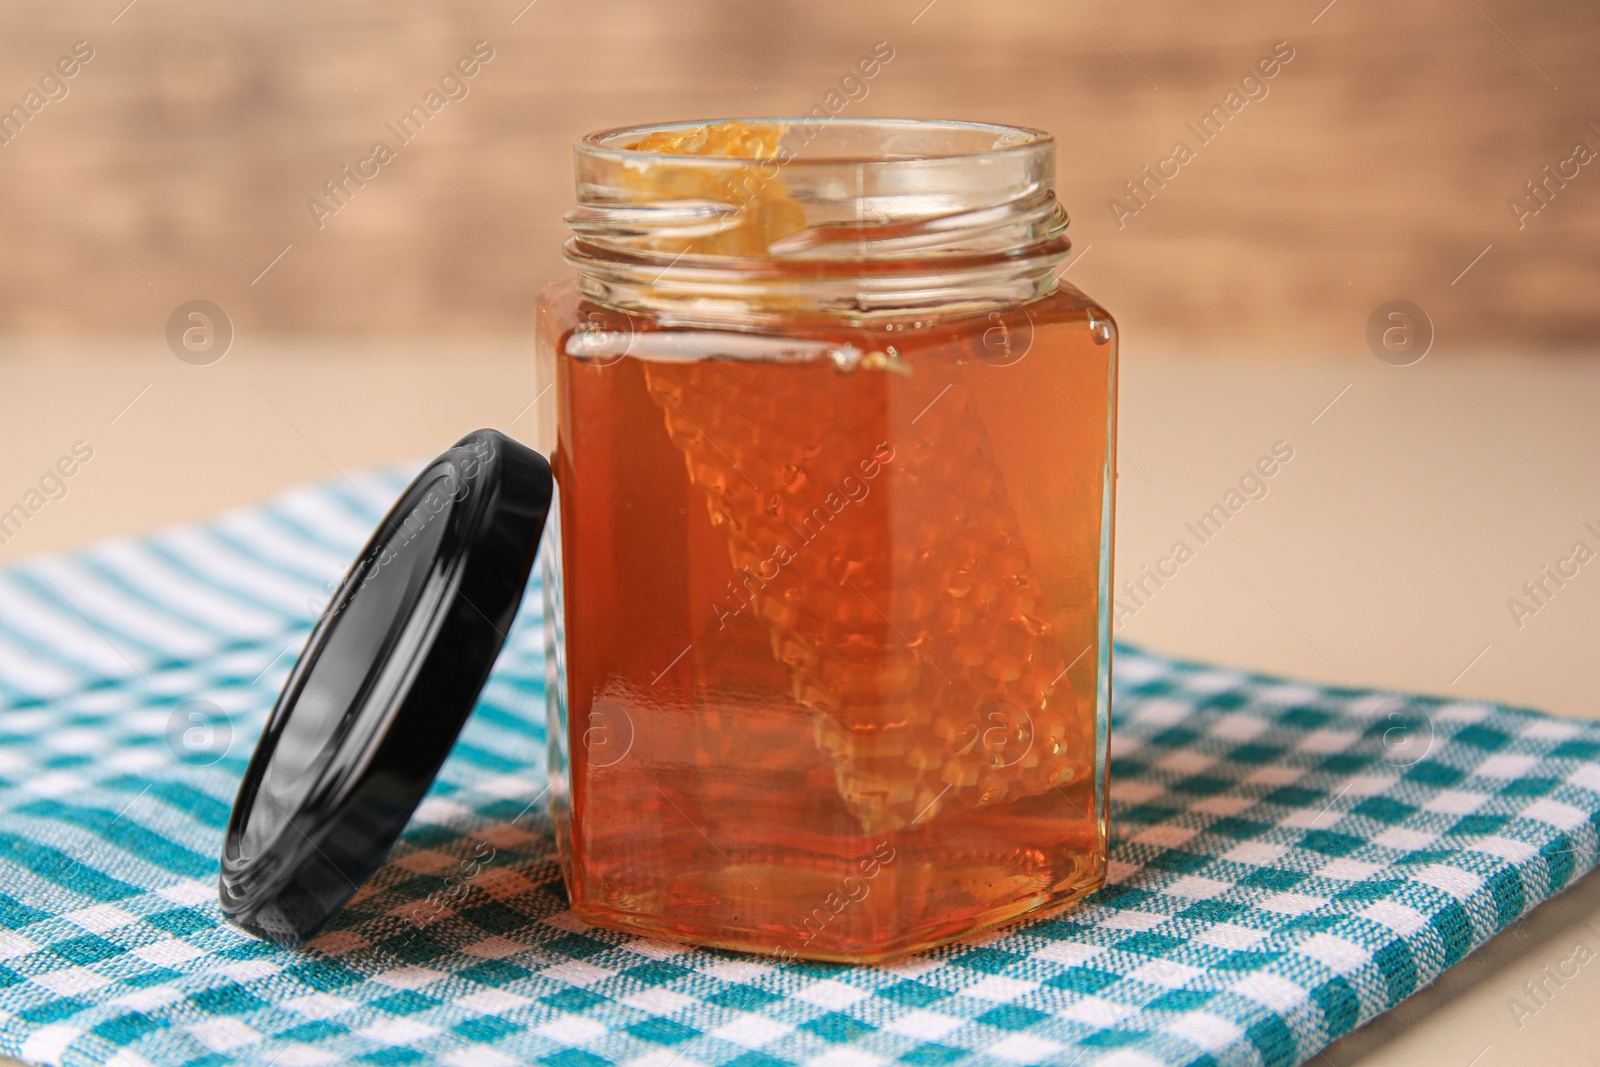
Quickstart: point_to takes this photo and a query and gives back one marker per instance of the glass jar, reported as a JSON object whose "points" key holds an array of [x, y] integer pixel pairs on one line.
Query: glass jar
{"points": [[828, 579]]}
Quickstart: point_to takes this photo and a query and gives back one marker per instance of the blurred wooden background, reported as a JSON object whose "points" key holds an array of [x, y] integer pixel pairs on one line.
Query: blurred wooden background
{"points": [[180, 163]]}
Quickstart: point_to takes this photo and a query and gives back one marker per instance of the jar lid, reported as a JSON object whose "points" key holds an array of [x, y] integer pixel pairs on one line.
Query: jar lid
{"points": [[386, 681]]}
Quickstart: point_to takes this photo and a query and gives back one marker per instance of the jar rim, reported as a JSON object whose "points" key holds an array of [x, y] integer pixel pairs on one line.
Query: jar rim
{"points": [[988, 140], [869, 214]]}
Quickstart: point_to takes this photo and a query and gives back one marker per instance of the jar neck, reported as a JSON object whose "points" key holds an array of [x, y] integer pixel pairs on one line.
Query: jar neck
{"points": [[875, 221]]}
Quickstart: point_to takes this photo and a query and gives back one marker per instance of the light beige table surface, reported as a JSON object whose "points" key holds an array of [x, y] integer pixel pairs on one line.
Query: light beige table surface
{"points": [[1418, 501]]}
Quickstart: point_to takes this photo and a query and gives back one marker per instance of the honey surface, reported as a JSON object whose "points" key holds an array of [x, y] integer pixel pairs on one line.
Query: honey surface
{"points": [[735, 139]]}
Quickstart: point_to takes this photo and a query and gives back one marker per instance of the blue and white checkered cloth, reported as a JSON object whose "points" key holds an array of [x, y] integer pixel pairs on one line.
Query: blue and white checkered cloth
{"points": [[1288, 861]]}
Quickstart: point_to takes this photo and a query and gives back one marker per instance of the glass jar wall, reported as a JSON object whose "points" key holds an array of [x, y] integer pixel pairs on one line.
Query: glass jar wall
{"points": [[827, 598]]}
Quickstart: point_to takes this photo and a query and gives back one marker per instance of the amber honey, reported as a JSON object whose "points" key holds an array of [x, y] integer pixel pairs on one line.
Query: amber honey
{"points": [[861, 633], [832, 625]]}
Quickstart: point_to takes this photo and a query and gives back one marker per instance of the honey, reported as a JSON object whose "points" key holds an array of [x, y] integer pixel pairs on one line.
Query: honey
{"points": [[828, 610]]}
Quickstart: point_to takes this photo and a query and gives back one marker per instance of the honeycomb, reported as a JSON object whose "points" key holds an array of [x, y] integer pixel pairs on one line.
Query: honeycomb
{"points": [[911, 624], [767, 212]]}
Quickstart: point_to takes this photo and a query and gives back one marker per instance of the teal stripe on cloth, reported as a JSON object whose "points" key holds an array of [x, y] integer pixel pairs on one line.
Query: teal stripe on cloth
{"points": [[1288, 860]]}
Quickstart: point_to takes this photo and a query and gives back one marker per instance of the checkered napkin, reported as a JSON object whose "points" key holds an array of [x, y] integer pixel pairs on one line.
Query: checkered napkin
{"points": [[1288, 861]]}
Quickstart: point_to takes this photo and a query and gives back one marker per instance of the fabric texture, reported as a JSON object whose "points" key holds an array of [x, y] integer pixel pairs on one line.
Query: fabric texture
{"points": [[1288, 860]]}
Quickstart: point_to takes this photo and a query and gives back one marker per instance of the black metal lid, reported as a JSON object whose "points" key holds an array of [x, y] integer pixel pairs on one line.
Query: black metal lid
{"points": [[384, 685]]}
